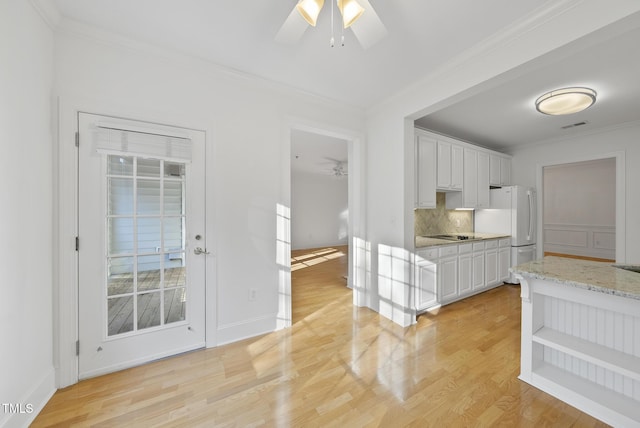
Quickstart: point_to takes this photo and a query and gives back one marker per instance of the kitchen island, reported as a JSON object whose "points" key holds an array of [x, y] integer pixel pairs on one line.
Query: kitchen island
{"points": [[580, 337]]}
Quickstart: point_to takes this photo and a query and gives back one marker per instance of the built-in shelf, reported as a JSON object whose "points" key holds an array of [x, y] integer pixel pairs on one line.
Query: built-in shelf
{"points": [[607, 405], [602, 356]]}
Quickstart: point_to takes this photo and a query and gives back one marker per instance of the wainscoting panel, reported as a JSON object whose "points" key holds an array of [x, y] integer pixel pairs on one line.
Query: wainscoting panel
{"points": [[581, 240]]}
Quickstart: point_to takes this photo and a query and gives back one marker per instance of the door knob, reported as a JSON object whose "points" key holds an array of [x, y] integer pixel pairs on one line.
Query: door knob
{"points": [[199, 250]]}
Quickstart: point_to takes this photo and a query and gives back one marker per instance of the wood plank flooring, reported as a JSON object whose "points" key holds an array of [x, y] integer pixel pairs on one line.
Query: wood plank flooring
{"points": [[337, 366]]}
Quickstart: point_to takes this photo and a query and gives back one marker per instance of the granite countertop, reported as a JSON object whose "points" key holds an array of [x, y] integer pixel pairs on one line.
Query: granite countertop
{"points": [[425, 241], [602, 277]]}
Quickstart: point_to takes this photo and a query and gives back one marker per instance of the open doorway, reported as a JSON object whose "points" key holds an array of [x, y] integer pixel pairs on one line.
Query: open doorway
{"points": [[579, 209], [319, 222]]}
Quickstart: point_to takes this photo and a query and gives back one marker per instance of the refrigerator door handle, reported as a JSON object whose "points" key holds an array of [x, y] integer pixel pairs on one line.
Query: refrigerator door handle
{"points": [[531, 214]]}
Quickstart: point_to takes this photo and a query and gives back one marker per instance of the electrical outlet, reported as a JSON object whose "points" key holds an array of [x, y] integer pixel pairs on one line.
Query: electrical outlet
{"points": [[252, 294]]}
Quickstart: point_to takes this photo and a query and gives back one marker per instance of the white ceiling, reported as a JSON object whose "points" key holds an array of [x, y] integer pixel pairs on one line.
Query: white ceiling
{"points": [[422, 35], [504, 116]]}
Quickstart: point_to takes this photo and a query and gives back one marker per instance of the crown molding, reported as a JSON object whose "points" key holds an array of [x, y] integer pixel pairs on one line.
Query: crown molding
{"points": [[48, 12], [73, 28]]}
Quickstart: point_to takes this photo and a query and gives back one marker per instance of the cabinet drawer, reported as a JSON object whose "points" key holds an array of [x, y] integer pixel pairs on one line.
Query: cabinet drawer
{"points": [[505, 242], [448, 250], [429, 254], [465, 248], [491, 244], [478, 246]]}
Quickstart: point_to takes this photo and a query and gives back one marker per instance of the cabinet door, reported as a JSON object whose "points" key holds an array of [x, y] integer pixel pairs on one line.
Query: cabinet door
{"points": [[494, 170], [504, 263], [425, 172], [478, 271], [448, 278], [444, 165], [457, 167], [426, 295], [491, 267], [470, 188], [505, 171], [483, 180], [465, 270]]}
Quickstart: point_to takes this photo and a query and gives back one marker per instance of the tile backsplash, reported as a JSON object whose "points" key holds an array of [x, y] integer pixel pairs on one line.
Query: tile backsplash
{"points": [[441, 220]]}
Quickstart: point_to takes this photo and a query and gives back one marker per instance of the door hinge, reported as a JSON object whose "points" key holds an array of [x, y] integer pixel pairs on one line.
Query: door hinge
{"points": [[77, 243], [77, 348], [77, 139]]}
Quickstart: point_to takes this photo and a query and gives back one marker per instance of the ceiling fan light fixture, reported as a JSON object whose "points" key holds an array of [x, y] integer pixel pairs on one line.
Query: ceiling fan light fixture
{"points": [[350, 10], [310, 9], [566, 101]]}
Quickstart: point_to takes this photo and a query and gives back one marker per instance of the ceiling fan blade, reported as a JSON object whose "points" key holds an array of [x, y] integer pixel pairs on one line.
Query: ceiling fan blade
{"points": [[368, 29], [292, 29]]}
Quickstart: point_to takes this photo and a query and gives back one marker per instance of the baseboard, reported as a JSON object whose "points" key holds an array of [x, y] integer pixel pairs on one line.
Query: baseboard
{"points": [[573, 256], [25, 411], [233, 332]]}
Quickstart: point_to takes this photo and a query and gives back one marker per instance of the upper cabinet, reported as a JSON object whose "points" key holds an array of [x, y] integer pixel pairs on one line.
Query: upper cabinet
{"points": [[500, 170], [425, 155], [449, 166], [463, 170]]}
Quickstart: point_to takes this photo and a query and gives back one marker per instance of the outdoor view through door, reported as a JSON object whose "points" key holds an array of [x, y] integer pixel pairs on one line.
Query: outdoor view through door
{"points": [[146, 269], [141, 232]]}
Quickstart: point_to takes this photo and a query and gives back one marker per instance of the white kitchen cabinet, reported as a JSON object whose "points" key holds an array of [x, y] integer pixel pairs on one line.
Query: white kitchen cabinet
{"points": [[448, 273], [425, 171], [491, 263], [450, 167], [426, 280], [478, 262], [448, 278], [465, 270], [504, 259], [483, 180], [499, 170]]}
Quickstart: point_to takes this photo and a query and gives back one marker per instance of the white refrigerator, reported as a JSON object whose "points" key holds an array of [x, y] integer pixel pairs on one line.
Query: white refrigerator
{"points": [[512, 212]]}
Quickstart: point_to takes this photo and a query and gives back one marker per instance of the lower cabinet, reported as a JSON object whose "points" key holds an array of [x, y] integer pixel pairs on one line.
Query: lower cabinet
{"points": [[504, 259], [448, 273], [426, 280], [448, 278]]}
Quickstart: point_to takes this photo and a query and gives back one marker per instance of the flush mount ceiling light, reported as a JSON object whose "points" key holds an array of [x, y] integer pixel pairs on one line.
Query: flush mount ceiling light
{"points": [[566, 101]]}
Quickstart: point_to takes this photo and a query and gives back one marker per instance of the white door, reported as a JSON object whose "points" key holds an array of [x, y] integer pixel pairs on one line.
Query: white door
{"points": [[141, 276]]}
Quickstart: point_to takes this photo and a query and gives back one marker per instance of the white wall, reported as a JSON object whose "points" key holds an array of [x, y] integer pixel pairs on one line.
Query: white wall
{"points": [[390, 149], [246, 123], [579, 208], [527, 161], [319, 210], [26, 55]]}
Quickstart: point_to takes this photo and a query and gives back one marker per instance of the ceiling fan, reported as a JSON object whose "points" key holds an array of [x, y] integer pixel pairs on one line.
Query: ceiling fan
{"points": [[358, 15], [339, 168]]}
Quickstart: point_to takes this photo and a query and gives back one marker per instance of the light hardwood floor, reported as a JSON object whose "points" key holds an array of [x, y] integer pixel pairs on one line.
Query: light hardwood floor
{"points": [[337, 366]]}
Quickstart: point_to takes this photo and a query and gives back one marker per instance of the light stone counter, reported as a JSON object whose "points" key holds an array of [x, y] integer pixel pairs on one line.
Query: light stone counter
{"points": [[601, 277], [425, 241]]}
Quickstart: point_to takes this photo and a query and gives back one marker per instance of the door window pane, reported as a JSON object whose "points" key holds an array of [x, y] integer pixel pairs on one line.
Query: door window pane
{"points": [[175, 276], [120, 196], [174, 305], [148, 197], [148, 235], [173, 170], [148, 167], [148, 310], [120, 317], [119, 276], [120, 232], [173, 198], [149, 273], [120, 165]]}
